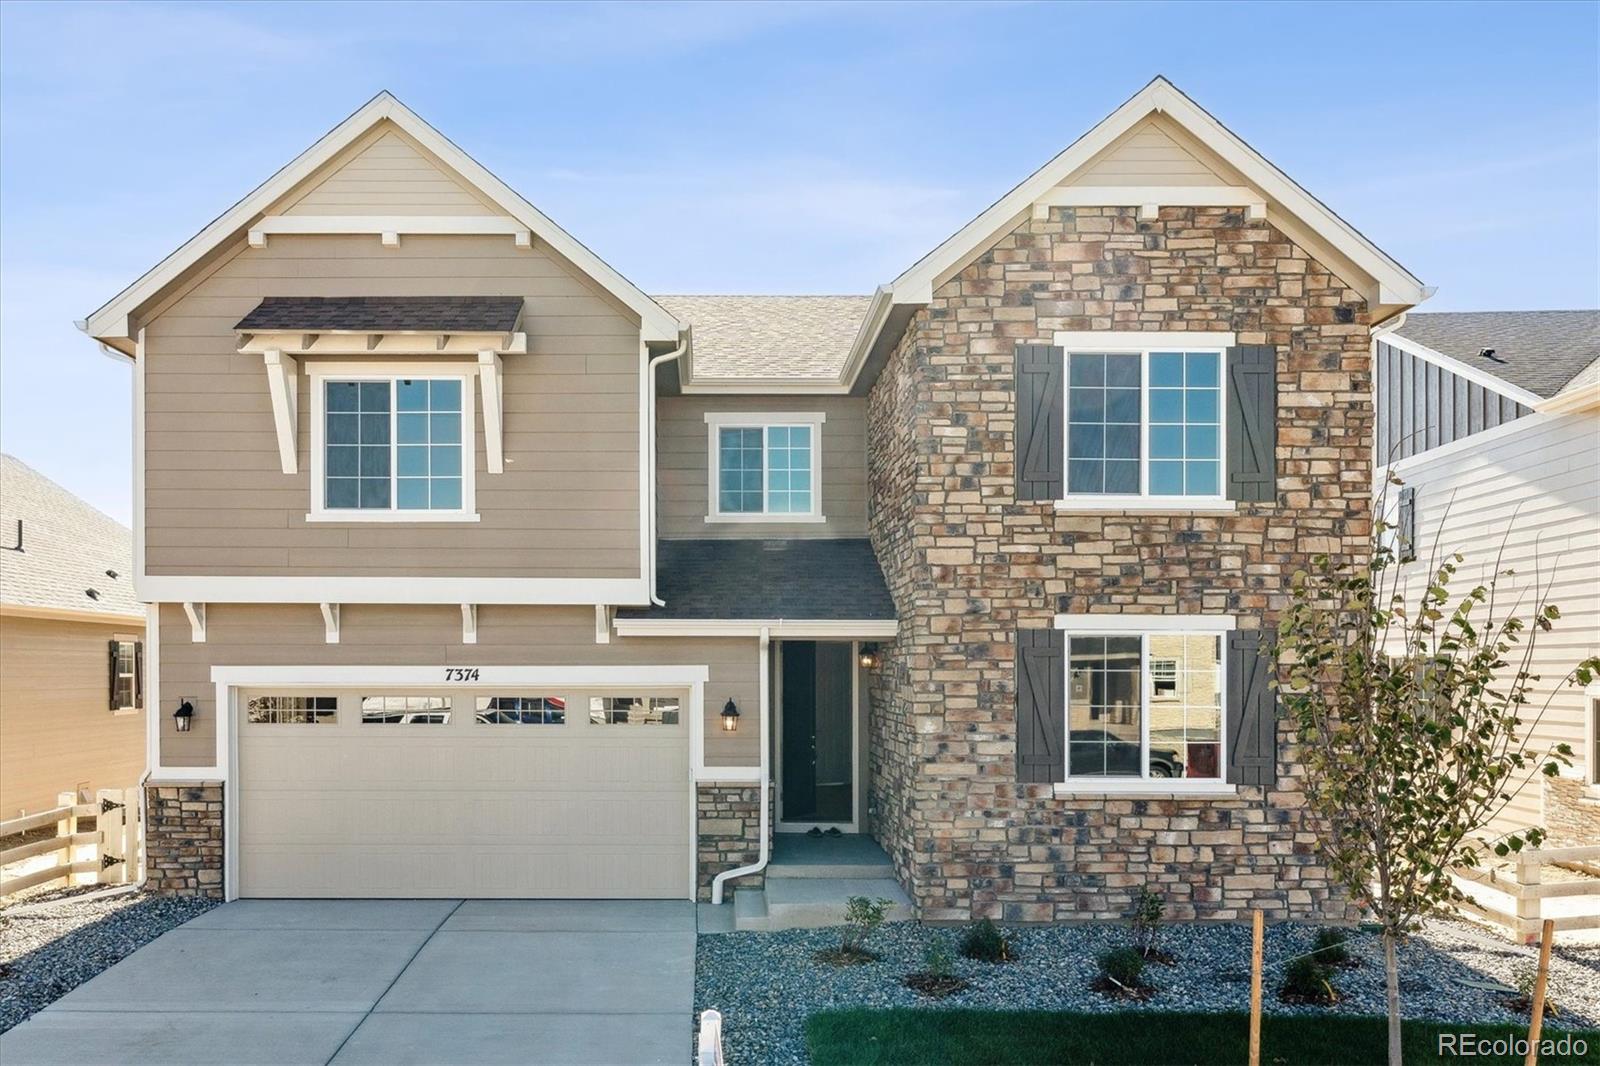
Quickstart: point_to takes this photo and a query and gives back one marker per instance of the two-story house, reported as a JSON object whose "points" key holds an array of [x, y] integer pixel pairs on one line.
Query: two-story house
{"points": [[476, 571]]}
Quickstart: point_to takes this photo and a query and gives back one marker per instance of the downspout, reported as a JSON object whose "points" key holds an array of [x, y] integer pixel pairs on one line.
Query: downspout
{"points": [[766, 746], [650, 452]]}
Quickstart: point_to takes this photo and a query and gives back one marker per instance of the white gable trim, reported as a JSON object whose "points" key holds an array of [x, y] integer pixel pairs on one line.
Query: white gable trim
{"points": [[1460, 369], [915, 286], [112, 321]]}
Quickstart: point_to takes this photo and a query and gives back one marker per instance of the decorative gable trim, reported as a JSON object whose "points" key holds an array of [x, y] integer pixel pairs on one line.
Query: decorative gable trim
{"points": [[113, 324]]}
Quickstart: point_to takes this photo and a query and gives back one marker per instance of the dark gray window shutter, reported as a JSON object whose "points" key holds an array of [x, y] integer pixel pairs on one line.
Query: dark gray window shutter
{"points": [[1041, 705], [1040, 459], [111, 673], [138, 673], [1406, 526], [1253, 423], [1252, 710]]}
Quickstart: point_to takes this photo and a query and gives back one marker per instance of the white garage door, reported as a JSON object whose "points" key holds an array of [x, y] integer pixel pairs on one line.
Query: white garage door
{"points": [[473, 793]]}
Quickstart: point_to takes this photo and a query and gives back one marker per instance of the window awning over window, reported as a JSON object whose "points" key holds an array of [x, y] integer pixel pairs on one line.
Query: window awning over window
{"points": [[384, 325], [282, 328]]}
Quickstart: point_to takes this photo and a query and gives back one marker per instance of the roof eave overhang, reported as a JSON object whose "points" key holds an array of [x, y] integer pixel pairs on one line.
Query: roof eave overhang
{"points": [[1567, 401]]}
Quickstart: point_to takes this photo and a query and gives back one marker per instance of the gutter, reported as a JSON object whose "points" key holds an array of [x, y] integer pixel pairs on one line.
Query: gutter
{"points": [[766, 748], [650, 453]]}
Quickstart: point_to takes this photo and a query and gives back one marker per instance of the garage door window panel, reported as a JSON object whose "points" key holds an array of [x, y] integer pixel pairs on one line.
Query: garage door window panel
{"points": [[405, 710], [292, 710], [634, 710], [521, 710]]}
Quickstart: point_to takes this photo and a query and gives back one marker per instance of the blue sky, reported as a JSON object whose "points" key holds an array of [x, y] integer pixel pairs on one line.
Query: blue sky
{"points": [[761, 148]]}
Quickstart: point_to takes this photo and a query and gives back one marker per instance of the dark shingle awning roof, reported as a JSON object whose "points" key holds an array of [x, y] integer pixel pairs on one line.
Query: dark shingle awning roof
{"points": [[381, 314], [811, 580]]}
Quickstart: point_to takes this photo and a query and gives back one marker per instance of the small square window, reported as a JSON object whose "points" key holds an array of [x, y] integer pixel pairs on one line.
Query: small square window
{"points": [[634, 710], [766, 470]]}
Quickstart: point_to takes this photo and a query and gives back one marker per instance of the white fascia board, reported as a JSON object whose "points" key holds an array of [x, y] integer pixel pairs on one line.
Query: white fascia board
{"points": [[1463, 370], [762, 387], [872, 324], [577, 676], [157, 588], [780, 628], [1147, 623], [1582, 398], [112, 319], [67, 614]]}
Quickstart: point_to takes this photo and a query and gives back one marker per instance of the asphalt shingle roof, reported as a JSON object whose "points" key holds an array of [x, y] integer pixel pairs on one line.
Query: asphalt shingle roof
{"points": [[1541, 351], [802, 337], [466, 314], [67, 548], [815, 580]]}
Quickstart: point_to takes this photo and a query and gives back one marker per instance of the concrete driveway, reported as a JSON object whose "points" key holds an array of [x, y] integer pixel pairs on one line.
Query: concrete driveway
{"points": [[388, 981]]}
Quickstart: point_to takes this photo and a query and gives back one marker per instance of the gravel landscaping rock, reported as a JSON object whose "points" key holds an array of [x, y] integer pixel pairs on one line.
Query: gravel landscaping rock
{"points": [[766, 984], [53, 942]]}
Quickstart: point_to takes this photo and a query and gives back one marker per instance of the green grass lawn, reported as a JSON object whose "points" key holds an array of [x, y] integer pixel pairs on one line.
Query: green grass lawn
{"points": [[1034, 1038]]}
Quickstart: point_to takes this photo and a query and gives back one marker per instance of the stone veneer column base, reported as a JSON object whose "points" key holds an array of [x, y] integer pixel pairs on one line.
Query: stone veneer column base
{"points": [[728, 834], [183, 845], [1571, 812]]}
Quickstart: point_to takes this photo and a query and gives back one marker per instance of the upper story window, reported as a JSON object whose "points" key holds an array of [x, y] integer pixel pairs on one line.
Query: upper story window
{"points": [[392, 448], [764, 467], [1145, 424]]}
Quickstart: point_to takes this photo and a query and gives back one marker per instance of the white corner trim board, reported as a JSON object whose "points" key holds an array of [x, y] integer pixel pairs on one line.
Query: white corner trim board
{"points": [[1146, 623], [390, 228]]}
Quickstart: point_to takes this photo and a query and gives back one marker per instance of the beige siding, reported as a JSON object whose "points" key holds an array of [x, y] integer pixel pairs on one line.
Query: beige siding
{"points": [[372, 635], [1534, 487], [1147, 155], [56, 730], [386, 173], [567, 505], [682, 445]]}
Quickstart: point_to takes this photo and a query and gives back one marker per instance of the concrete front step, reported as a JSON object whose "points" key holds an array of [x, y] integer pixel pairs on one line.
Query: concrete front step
{"points": [[814, 902], [848, 856]]}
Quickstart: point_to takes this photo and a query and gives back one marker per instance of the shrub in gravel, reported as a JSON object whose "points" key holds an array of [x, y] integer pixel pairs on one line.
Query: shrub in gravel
{"points": [[986, 943], [937, 977], [862, 917], [1122, 974], [1308, 981], [1332, 947], [1148, 911], [1524, 978]]}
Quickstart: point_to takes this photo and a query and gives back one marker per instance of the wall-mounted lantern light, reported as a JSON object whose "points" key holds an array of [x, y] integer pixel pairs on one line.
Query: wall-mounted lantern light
{"points": [[730, 717], [183, 716], [870, 657]]}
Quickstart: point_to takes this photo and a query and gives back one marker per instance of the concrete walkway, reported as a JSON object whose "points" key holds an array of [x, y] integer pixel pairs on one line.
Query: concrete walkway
{"points": [[388, 981]]}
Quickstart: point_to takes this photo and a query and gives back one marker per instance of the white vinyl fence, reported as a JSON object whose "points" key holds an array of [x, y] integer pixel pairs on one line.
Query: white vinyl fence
{"points": [[107, 854]]}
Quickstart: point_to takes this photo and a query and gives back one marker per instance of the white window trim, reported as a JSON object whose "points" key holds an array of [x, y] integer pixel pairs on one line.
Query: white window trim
{"points": [[716, 421], [1142, 344], [1591, 714], [465, 373], [1142, 625]]}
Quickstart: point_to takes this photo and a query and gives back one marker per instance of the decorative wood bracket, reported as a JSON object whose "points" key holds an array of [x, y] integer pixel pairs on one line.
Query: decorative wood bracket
{"points": [[469, 623], [602, 624], [283, 383], [197, 621], [330, 623], [491, 378]]}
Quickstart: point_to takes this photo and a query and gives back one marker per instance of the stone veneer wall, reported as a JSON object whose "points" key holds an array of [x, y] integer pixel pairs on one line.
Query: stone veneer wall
{"points": [[728, 835], [183, 838], [1571, 813], [967, 565]]}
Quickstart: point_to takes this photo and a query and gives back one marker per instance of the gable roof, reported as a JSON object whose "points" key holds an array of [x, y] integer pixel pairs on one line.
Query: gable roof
{"points": [[111, 322], [1543, 352], [1393, 287], [767, 338], [68, 548]]}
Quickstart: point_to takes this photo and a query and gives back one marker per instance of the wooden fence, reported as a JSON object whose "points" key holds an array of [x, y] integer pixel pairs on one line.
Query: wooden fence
{"points": [[1526, 912], [107, 854]]}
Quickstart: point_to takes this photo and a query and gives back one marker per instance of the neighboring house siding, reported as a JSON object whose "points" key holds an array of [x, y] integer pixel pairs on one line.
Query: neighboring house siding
{"points": [[1423, 406], [57, 732], [378, 635], [1528, 500], [683, 466], [567, 505], [968, 565]]}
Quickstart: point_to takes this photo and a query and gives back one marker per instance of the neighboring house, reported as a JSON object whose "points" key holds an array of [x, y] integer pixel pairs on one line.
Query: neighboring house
{"points": [[484, 573], [71, 647], [1492, 421]]}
